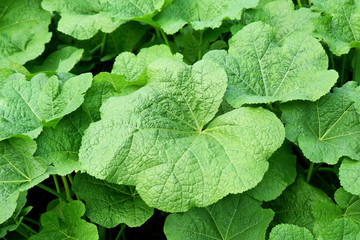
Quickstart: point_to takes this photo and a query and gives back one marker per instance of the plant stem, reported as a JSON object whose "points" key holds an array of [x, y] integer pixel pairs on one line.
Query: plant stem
{"points": [[343, 68], [66, 186], [327, 169], [118, 236], [28, 228], [102, 233], [299, 3], [165, 38], [356, 74], [308, 176], [31, 221], [57, 186], [332, 60], [22, 233], [71, 179], [53, 192], [103, 45]]}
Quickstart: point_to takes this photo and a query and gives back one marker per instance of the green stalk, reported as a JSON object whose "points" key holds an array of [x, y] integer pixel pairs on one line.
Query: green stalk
{"points": [[299, 3], [71, 179], [103, 45], [57, 186], [22, 233], [343, 68], [327, 169], [122, 229], [53, 192], [28, 228], [31, 221], [66, 186], [356, 76], [308, 176], [332, 60], [165, 38], [102, 233]]}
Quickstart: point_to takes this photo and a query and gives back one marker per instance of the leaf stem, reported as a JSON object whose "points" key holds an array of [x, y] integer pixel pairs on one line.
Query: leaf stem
{"points": [[102, 233], [66, 186], [343, 68], [327, 169], [71, 179], [31, 221], [103, 45], [56, 182], [122, 229], [332, 60], [299, 3], [165, 38], [356, 74], [53, 192], [308, 176], [28, 228]]}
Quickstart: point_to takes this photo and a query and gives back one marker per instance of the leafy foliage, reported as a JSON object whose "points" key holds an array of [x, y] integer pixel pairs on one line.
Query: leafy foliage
{"points": [[178, 119]]}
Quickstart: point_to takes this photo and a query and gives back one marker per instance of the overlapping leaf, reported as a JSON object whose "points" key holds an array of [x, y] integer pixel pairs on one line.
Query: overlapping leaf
{"points": [[261, 71], [82, 19], [201, 14], [28, 105], [234, 217], [19, 171], [339, 26], [23, 31], [163, 141], [326, 129], [111, 204], [349, 175], [290, 232], [65, 222]]}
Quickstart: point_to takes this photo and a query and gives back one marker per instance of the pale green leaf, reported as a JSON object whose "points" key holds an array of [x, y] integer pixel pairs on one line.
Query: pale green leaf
{"points": [[349, 175], [326, 129], [161, 139], [19, 171], [281, 173], [23, 30], [341, 229], [59, 147], [65, 223], [235, 217], [28, 105], [263, 71], [110, 204], [62, 60], [290, 232], [339, 26], [82, 19], [201, 14]]}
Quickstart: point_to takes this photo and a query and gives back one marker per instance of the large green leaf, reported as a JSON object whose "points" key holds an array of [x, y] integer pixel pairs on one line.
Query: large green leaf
{"points": [[26, 106], [82, 19], [161, 139], [65, 222], [201, 14], [290, 232], [260, 70], [19, 171], [281, 173], [23, 30], [59, 147], [339, 26], [337, 222], [110, 204], [235, 217], [295, 205], [326, 129], [349, 175]]}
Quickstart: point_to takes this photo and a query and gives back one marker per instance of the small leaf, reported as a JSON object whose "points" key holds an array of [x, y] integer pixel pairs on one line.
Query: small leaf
{"points": [[290, 232]]}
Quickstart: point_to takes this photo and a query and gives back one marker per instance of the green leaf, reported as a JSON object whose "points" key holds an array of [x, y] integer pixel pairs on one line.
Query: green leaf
{"points": [[134, 67], [23, 31], [284, 20], [14, 221], [235, 217], [19, 171], [336, 222], [326, 129], [60, 146], [281, 173], [262, 71], [290, 232], [26, 106], [104, 86], [110, 204], [161, 139], [349, 175], [295, 205], [201, 14], [62, 60], [83, 19], [65, 222], [339, 26]]}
